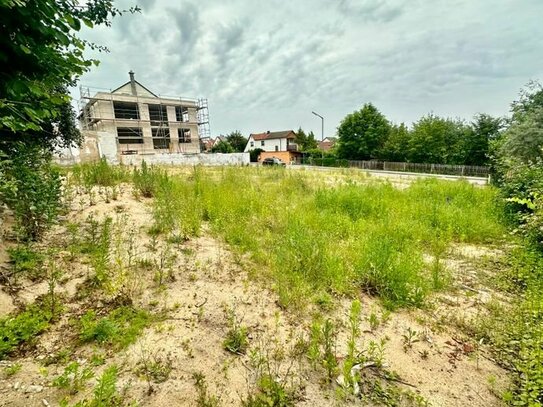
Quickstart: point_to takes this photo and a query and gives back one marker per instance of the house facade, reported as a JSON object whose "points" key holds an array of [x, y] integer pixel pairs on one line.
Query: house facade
{"points": [[133, 120], [327, 144], [279, 144]]}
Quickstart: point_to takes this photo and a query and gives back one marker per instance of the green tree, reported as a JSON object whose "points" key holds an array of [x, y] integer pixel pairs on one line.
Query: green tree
{"points": [[237, 141], [362, 134], [396, 146], [524, 139], [305, 141], [41, 55], [484, 129], [437, 140], [530, 99], [222, 147]]}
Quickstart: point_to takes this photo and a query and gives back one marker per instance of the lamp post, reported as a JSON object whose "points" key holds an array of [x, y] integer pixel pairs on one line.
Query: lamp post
{"points": [[322, 135], [322, 125]]}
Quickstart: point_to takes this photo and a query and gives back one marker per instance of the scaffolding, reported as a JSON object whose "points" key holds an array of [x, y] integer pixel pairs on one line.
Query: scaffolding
{"points": [[103, 110]]}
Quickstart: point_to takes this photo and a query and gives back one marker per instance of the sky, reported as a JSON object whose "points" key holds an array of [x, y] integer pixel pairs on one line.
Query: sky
{"points": [[268, 65]]}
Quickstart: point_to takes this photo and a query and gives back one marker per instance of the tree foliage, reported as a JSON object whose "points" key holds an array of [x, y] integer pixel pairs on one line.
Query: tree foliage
{"points": [[222, 146], [41, 54], [396, 146], [237, 141], [305, 141], [362, 134]]}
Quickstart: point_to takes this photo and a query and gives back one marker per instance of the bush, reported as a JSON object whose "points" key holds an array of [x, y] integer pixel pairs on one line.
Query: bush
{"points": [[254, 154], [31, 187]]}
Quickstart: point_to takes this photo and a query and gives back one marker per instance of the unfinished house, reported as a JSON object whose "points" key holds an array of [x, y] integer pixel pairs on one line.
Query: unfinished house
{"points": [[133, 120]]}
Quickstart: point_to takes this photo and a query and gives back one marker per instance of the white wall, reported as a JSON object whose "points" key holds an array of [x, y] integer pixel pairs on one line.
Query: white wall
{"points": [[269, 145], [188, 159]]}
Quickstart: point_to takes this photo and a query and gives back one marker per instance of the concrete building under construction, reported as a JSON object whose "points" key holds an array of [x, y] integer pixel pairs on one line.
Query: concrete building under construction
{"points": [[132, 120]]}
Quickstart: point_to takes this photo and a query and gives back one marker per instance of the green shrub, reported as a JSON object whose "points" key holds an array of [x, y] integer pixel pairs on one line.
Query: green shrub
{"points": [[31, 187], [147, 180], [25, 261], [23, 328]]}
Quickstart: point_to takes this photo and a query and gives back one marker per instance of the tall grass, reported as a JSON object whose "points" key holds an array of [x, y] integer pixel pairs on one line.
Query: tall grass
{"points": [[100, 173], [314, 240]]}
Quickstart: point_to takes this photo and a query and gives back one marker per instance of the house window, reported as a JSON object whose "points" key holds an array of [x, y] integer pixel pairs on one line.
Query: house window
{"points": [[184, 135], [262, 143], [161, 138], [126, 110], [181, 113], [276, 148], [158, 114], [252, 143], [129, 135]]}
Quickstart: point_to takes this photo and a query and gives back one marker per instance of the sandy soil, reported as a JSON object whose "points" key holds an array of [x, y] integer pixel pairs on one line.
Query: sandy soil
{"points": [[441, 365]]}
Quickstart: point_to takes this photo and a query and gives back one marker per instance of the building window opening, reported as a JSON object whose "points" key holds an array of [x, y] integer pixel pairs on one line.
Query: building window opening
{"points": [[129, 135], [276, 148], [181, 114], [126, 110], [252, 144], [161, 138], [262, 143], [158, 114], [184, 135]]}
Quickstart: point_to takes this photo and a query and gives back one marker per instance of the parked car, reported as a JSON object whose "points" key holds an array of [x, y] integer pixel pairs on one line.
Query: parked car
{"points": [[273, 161]]}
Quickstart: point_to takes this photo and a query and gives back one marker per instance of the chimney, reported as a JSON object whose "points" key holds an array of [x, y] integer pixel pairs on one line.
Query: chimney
{"points": [[132, 83], [268, 132]]}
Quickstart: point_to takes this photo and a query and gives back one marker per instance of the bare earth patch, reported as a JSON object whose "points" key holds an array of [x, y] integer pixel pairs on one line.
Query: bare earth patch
{"points": [[431, 357]]}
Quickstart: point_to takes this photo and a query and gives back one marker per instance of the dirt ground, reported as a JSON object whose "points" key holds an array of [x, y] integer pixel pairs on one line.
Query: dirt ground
{"points": [[438, 363]]}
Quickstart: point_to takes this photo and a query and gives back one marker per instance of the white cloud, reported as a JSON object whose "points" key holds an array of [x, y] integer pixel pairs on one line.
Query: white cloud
{"points": [[267, 65]]}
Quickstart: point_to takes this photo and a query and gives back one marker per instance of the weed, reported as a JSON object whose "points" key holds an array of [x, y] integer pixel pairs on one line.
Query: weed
{"points": [[154, 367], [26, 262], [204, 399], [74, 378], [105, 392], [99, 173], [12, 370], [119, 328], [409, 338], [147, 179], [23, 328], [236, 340]]}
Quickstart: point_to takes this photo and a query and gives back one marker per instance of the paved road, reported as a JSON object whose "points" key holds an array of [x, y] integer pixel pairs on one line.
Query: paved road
{"points": [[396, 174]]}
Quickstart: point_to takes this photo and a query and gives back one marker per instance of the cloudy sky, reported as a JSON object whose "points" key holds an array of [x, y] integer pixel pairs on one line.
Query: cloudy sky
{"points": [[267, 65]]}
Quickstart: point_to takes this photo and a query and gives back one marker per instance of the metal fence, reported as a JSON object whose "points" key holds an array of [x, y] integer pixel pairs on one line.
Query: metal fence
{"points": [[461, 170]]}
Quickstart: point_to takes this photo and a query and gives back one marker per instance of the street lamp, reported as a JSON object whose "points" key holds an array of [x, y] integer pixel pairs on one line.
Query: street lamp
{"points": [[322, 125], [322, 135]]}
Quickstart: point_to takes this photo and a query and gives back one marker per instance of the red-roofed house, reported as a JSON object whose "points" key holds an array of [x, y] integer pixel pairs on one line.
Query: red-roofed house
{"points": [[279, 144]]}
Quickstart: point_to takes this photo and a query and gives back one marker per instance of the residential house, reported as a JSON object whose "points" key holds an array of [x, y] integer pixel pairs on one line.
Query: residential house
{"points": [[327, 144], [133, 120], [279, 144]]}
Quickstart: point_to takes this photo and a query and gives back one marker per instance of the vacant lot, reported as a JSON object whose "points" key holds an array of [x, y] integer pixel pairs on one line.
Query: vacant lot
{"points": [[257, 287]]}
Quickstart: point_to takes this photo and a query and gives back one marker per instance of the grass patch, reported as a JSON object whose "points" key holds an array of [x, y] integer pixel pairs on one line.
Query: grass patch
{"points": [[99, 173], [119, 328], [23, 328], [334, 240]]}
